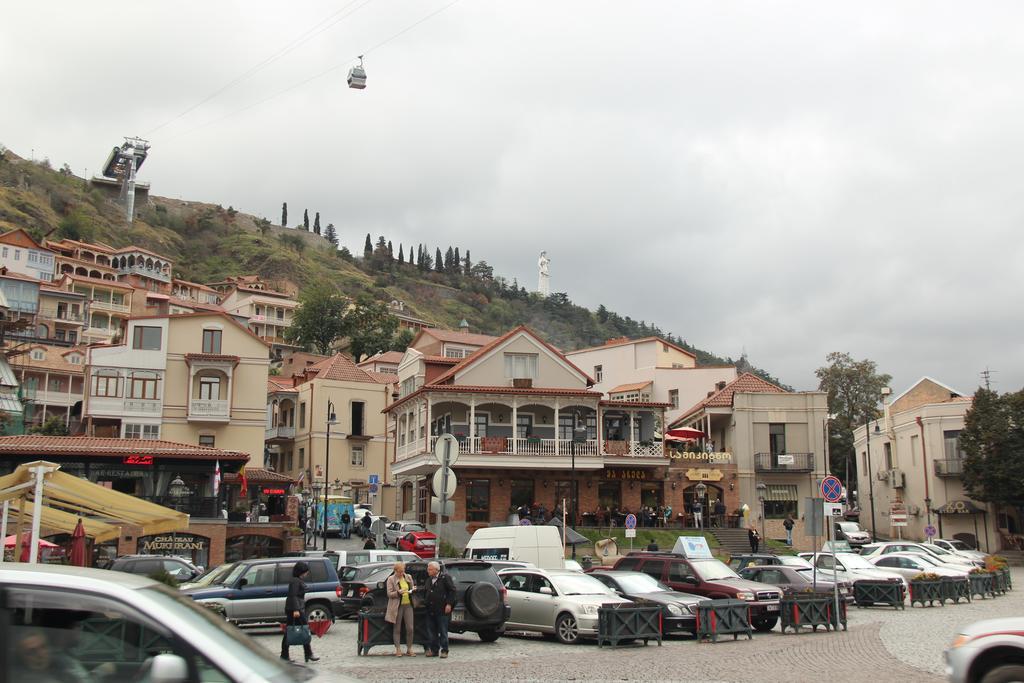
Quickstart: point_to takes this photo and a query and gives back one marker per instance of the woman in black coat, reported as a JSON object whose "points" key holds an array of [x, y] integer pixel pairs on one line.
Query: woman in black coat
{"points": [[295, 609]]}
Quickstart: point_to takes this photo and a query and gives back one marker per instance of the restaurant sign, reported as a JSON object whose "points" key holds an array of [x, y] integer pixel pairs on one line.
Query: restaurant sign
{"points": [[173, 543], [702, 456], [703, 474], [138, 460], [634, 475]]}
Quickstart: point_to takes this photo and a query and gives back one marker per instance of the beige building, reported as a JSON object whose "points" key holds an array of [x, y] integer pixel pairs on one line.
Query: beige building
{"points": [[916, 465], [197, 378], [51, 383], [651, 369], [268, 313], [296, 429], [765, 443]]}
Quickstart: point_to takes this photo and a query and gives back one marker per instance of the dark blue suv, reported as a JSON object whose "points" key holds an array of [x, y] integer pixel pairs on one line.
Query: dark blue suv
{"points": [[254, 591]]}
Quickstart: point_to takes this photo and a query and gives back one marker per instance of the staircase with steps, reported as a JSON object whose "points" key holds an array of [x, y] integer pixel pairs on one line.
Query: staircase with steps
{"points": [[1014, 558], [734, 541]]}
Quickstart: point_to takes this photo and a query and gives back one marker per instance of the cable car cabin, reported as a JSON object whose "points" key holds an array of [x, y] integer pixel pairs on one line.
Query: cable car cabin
{"points": [[357, 77]]}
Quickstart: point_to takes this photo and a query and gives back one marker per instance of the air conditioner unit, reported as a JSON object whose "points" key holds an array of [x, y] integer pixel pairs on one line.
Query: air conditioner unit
{"points": [[882, 475], [897, 479]]}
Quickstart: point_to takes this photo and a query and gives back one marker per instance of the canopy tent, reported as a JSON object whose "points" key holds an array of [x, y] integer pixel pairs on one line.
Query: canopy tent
{"points": [[54, 499], [571, 536]]}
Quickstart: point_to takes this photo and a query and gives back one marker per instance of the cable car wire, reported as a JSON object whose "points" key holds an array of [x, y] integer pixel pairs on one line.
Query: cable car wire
{"points": [[317, 75], [293, 44]]}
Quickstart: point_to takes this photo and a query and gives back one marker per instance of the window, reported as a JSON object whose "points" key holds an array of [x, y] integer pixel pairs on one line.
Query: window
{"points": [[453, 352], [673, 398], [357, 457], [776, 438], [565, 426], [260, 575], [106, 383], [17, 254], [358, 408], [302, 415], [408, 386], [38, 354], [653, 568], [140, 431], [592, 427], [55, 384], [481, 422], [5, 252], [211, 341], [780, 500], [206, 440], [302, 458], [142, 385], [132, 431], [146, 338], [599, 373], [478, 500], [951, 443], [679, 571], [74, 358], [524, 426], [209, 388], [887, 451], [151, 432], [521, 492], [521, 365]]}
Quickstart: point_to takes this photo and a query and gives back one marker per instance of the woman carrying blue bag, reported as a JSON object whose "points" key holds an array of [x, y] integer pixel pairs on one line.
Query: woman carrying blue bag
{"points": [[296, 629]]}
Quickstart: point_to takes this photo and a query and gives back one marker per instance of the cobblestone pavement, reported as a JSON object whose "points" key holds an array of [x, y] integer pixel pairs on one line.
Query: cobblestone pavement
{"points": [[881, 645]]}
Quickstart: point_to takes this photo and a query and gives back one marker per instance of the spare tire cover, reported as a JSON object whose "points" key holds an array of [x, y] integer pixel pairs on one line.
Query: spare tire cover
{"points": [[483, 600]]}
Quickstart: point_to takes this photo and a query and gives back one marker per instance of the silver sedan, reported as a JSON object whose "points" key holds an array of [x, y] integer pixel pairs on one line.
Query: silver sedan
{"points": [[909, 565]]}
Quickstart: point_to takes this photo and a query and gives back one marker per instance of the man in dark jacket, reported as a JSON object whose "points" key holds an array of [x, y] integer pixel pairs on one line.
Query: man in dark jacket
{"points": [[295, 609], [346, 525], [367, 522], [439, 599]]}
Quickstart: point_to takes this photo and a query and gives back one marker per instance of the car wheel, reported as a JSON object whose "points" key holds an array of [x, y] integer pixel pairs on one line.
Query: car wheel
{"points": [[488, 635], [765, 624], [567, 630], [318, 611], [1011, 673]]}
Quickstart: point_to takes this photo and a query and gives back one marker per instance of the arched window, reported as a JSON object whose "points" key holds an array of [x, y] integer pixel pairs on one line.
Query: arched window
{"points": [[106, 383], [210, 385]]}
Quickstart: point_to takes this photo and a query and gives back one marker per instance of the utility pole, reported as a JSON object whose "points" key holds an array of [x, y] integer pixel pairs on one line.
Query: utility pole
{"points": [[871, 479]]}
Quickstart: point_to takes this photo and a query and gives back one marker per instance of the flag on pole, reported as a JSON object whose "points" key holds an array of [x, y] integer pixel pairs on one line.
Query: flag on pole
{"points": [[243, 481], [216, 478]]}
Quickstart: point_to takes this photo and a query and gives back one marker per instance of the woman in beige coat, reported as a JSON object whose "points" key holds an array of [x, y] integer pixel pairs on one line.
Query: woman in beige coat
{"points": [[400, 588]]}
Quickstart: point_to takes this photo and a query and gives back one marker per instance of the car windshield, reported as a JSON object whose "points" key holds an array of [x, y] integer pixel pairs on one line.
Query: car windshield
{"points": [[921, 557], [415, 527], [232, 576], [959, 545], [713, 570], [579, 584], [640, 583], [852, 561], [361, 572], [936, 549], [214, 577], [849, 526], [213, 632], [794, 561]]}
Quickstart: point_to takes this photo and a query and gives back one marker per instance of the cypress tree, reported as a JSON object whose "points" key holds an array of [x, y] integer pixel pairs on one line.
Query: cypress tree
{"points": [[368, 247], [438, 261], [316, 223], [305, 219], [456, 262], [391, 250], [401, 255], [284, 215], [468, 265]]}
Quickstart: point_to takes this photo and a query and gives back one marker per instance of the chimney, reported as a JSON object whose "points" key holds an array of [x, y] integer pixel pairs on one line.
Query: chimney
{"points": [[464, 326], [720, 385]]}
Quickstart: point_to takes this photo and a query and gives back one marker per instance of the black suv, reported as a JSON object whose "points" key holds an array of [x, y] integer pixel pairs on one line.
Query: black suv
{"points": [[481, 606], [147, 565]]}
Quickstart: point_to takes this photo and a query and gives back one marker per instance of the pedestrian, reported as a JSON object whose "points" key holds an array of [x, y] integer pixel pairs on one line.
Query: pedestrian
{"points": [[346, 525], [295, 609], [400, 588], [310, 531], [668, 515], [698, 514], [720, 512], [523, 512], [652, 546], [439, 600], [755, 539], [367, 521], [788, 524]]}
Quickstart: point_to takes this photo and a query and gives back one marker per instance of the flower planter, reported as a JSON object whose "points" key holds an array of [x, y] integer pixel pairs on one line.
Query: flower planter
{"points": [[981, 585], [723, 617], [798, 611], [1000, 581], [623, 624], [870, 593], [955, 590], [925, 592]]}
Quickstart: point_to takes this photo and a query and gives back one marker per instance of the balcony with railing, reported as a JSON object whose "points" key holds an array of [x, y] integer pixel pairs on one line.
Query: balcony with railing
{"points": [[783, 462], [535, 446], [100, 305], [209, 410], [279, 433], [142, 406], [949, 468], [143, 271], [62, 316]]}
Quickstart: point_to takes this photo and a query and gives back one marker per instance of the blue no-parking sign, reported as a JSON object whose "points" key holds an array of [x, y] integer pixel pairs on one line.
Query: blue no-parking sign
{"points": [[631, 521], [831, 489]]}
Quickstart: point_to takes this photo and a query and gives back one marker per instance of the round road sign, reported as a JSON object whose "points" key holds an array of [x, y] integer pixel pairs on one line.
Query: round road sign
{"points": [[438, 482], [449, 443], [929, 531], [524, 522], [831, 489], [631, 521]]}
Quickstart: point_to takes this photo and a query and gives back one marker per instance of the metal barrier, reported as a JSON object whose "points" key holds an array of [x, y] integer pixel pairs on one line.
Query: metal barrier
{"points": [[955, 589], [373, 630], [798, 611], [1001, 581], [870, 593], [981, 585], [617, 624], [723, 617], [926, 591]]}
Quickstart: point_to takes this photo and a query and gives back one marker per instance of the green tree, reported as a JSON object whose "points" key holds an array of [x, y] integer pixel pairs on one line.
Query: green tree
{"points": [[467, 265], [456, 262], [391, 251], [330, 234], [263, 225], [993, 443], [370, 328], [316, 223], [305, 219], [401, 254], [52, 426], [854, 389], [402, 339], [319, 321], [367, 248], [284, 215], [438, 261]]}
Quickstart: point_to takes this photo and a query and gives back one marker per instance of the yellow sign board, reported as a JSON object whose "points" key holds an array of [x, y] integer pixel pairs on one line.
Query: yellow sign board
{"points": [[704, 474]]}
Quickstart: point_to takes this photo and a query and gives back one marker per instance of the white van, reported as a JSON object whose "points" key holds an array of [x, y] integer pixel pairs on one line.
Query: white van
{"points": [[355, 557], [540, 545]]}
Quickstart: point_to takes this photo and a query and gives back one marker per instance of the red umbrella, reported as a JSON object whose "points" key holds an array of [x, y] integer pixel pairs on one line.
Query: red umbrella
{"points": [[78, 546], [10, 540], [685, 433]]}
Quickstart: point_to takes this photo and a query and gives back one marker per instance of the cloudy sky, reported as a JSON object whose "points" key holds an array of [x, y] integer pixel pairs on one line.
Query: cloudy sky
{"points": [[785, 178]]}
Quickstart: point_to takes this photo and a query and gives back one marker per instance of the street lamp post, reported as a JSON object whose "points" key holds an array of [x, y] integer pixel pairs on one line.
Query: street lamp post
{"points": [[762, 489], [701, 490], [177, 490], [331, 420], [871, 479]]}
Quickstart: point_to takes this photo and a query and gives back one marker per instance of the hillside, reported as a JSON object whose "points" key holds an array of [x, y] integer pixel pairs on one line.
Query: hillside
{"points": [[208, 243]]}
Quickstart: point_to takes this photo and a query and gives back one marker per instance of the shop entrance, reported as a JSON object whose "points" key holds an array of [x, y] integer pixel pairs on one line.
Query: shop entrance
{"points": [[652, 494], [712, 495]]}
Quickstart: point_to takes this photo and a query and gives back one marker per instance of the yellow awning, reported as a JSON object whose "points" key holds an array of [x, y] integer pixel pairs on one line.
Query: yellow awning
{"points": [[73, 496], [57, 520]]}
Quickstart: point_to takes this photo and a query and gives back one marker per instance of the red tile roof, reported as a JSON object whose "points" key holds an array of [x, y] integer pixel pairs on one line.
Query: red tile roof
{"points": [[97, 281], [55, 359], [259, 475], [386, 357], [383, 377], [623, 341], [338, 367], [442, 360], [36, 444], [635, 404], [636, 386], [279, 383], [747, 383], [455, 337], [19, 238]]}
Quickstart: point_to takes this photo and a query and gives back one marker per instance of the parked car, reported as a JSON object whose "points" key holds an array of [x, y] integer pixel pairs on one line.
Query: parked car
{"points": [[738, 562], [181, 641], [182, 570], [348, 558], [909, 565], [254, 591], [678, 610], [573, 566], [851, 533], [960, 548], [358, 584], [357, 521], [556, 601], [794, 561], [395, 530], [708, 578], [989, 651], [797, 580], [481, 606], [421, 543], [850, 567], [211, 577], [510, 564], [941, 554]]}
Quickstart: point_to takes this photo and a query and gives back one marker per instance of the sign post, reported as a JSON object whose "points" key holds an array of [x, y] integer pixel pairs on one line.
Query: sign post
{"points": [[630, 529], [446, 452]]}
